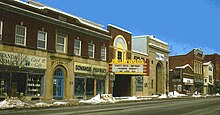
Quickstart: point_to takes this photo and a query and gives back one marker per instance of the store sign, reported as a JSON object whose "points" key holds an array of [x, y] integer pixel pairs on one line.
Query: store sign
{"points": [[90, 69], [34, 62], [99, 70], [22, 60], [83, 68], [188, 81], [9, 58], [159, 56], [127, 68], [128, 61]]}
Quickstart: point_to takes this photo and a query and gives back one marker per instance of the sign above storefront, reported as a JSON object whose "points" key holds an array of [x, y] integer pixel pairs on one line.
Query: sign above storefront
{"points": [[22, 60], [90, 69], [188, 81]]}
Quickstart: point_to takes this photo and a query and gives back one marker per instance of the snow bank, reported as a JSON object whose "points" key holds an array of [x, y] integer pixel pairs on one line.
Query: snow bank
{"points": [[60, 103], [217, 94], [163, 96], [176, 94], [105, 98], [42, 104], [12, 102]]}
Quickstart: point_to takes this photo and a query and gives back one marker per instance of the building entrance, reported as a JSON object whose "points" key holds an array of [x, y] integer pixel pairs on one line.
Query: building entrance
{"points": [[122, 86], [58, 83]]}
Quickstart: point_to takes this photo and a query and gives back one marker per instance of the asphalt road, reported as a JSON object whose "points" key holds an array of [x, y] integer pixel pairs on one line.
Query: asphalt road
{"points": [[194, 106]]}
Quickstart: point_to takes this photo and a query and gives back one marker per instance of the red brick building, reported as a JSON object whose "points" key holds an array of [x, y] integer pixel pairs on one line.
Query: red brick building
{"points": [[189, 69]]}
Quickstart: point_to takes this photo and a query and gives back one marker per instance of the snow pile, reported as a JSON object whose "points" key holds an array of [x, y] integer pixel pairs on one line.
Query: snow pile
{"points": [[196, 95], [176, 94], [60, 103], [163, 96], [105, 98], [12, 102], [155, 96], [42, 104], [217, 94]]}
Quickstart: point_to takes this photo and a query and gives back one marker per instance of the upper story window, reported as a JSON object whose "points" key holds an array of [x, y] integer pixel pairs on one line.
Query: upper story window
{"points": [[103, 53], [1, 27], [20, 35], [42, 40], [77, 47], [61, 43], [91, 50], [210, 68], [120, 55]]}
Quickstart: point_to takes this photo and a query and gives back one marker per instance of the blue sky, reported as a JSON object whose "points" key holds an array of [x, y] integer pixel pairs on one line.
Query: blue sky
{"points": [[183, 24]]}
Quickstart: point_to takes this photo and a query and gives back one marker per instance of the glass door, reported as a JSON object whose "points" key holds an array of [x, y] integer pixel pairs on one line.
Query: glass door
{"points": [[58, 83]]}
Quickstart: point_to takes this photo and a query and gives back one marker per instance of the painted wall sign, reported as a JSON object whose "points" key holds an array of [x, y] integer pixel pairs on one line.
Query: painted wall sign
{"points": [[9, 58], [188, 81], [34, 62], [22, 60], [159, 56]]}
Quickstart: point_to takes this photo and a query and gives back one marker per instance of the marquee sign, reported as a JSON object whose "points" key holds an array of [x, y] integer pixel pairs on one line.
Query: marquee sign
{"points": [[130, 66]]}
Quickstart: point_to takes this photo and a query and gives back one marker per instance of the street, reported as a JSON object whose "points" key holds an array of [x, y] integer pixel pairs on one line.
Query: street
{"points": [[193, 106]]}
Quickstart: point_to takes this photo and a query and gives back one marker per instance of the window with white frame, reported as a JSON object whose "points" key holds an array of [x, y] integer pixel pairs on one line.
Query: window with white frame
{"points": [[1, 27], [103, 53], [91, 50], [42, 40], [77, 47], [61, 43], [20, 35]]}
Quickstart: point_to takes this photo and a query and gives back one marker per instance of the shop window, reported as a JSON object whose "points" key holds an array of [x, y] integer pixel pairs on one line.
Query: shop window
{"points": [[210, 79], [3, 87], [79, 86], [91, 50], [152, 84], [1, 27], [120, 54], [89, 86], [139, 83], [205, 80], [42, 40], [20, 35], [77, 47], [103, 53], [61, 43], [100, 86], [34, 85], [210, 68]]}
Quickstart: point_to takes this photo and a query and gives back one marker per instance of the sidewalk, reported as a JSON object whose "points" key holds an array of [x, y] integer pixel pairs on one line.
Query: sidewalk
{"points": [[15, 103]]}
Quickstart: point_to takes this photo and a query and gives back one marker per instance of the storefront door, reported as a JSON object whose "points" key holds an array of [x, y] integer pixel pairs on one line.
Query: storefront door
{"points": [[58, 83]]}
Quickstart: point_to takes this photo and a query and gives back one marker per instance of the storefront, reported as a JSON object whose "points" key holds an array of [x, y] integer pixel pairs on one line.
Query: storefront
{"points": [[188, 85], [21, 75], [130, 77], [90, 80]]}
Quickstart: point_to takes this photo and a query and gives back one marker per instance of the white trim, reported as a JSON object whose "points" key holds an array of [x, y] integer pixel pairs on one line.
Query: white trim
{"points": [[183, 67], [64, 45], [81, 20], [1, 27], [25, 35], [104, 53], [140, 52], [154, 45], [54, 19], [93, 52], [119, 28], [79, 47], [45, 37]]}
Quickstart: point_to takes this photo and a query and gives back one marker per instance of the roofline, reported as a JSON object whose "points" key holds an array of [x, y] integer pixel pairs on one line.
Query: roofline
{"points": [[114, 26], [21, 11]]}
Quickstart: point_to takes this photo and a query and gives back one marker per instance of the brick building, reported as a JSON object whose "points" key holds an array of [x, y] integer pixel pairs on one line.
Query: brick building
{"points": [[182, 66], [46, 53], [215, 59]]}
